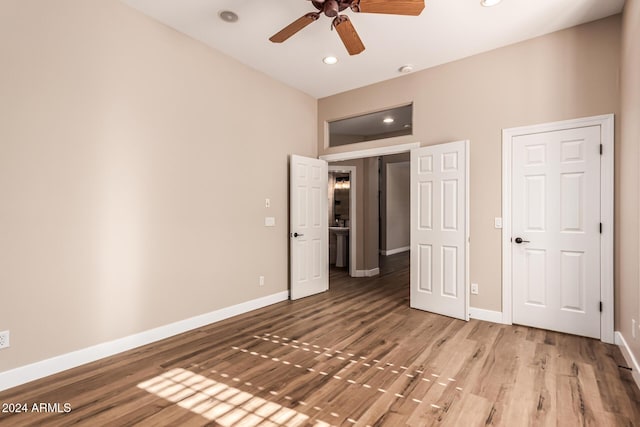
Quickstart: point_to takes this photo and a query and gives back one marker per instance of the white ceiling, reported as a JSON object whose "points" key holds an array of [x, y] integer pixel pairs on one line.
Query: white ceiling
{"points": [[446, 30]]}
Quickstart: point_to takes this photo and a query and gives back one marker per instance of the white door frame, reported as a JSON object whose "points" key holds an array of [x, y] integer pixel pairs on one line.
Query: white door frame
{"points": [[370, 152], [606, 123], [351, 170]]}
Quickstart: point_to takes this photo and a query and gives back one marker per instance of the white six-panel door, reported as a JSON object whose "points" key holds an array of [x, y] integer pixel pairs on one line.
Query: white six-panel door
{"points": [[439, 229], [556, 230], [309, 227]]}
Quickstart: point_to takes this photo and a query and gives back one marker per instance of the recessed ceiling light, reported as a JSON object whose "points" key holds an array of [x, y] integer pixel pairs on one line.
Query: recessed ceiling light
{"points": [[330, 60], [406, 69], [228, 16], [388, 120], [489, 3]]}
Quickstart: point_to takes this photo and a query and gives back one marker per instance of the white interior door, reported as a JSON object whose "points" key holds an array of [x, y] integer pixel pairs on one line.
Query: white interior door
{"points": [[309, 227], [555, 238], [439, 229]]}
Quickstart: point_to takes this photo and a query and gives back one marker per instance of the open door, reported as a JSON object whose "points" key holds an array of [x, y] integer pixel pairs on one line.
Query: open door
{"points": [[308, 227], [440, 229]]}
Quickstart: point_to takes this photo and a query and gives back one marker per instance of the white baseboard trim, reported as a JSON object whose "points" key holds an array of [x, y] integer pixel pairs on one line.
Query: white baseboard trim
{"points": [[629, 357], [44, 368], [394, 251], [486, 315], [367, 273]]}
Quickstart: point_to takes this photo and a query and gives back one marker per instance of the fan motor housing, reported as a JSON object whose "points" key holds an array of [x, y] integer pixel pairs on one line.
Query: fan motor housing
{"points": [[331, 8]]}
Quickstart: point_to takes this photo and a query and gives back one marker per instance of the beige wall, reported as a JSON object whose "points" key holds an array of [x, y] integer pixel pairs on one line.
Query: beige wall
{"points": [[131, 160], [393, 158], [397, 206], [564, 75], [628, 295], [371, 214]]}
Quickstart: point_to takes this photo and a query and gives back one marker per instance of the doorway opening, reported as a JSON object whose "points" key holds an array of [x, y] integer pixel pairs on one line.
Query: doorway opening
{"points": [[343, 222], [438, 221], [369, 212]]}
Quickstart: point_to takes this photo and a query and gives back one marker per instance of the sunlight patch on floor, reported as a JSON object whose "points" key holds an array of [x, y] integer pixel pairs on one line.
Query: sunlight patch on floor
{"points": [[352, 362], [216, 401]]}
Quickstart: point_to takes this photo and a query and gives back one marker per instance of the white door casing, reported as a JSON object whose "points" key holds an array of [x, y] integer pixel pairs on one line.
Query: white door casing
{"points": [[440, 229], [308, 227], [557, 190]]}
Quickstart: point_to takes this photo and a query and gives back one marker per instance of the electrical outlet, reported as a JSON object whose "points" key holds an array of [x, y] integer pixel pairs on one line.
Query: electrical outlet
{"points": [[474, 288], [261, 280], [4, 339]]}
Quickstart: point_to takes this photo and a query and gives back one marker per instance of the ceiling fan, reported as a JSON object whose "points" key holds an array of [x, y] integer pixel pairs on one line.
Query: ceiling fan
{"points": [[342, 24]]}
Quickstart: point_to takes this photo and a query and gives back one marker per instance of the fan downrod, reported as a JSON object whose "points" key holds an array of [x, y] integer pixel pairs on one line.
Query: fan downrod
{"points": [[332, 8]]}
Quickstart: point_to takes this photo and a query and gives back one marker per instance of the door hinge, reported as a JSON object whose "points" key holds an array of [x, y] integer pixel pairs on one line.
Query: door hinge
{"points": [[600, 306], [601, 148], [600, 228]]}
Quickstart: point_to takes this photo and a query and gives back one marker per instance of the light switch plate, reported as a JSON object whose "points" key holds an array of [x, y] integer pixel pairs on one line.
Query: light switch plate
{"points": [[4, 339], [269, 221], [497, 222], [267, 203]]}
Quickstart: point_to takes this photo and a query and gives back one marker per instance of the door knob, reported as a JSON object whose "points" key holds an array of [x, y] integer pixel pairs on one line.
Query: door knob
{"points": [[519, 240], [297, 235]]}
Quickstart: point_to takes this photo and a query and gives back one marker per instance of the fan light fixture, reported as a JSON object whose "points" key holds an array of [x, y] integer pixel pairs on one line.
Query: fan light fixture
{"points": [[489, 3], [388, 120], [330, 60]]}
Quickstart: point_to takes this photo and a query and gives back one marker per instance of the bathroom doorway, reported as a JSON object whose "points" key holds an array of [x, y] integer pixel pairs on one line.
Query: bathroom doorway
{"points": [[368, 219], [428, 212], [343, 217], [364, 238]]}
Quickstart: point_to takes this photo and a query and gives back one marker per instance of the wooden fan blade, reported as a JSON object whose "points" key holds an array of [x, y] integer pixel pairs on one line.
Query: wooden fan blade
{"points": [[348, 34], [392, 7], [293, 28]]}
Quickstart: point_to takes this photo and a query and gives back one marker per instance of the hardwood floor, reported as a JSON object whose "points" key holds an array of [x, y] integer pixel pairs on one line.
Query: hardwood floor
{"points": [[356, 355]]}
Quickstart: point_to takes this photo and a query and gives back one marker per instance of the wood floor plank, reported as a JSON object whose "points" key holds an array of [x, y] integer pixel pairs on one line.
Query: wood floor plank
{"points": [[354, 356]]}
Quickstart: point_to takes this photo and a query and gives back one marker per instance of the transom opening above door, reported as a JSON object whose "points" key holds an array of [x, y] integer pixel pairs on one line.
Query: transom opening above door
{"points": [[389, 123]]}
